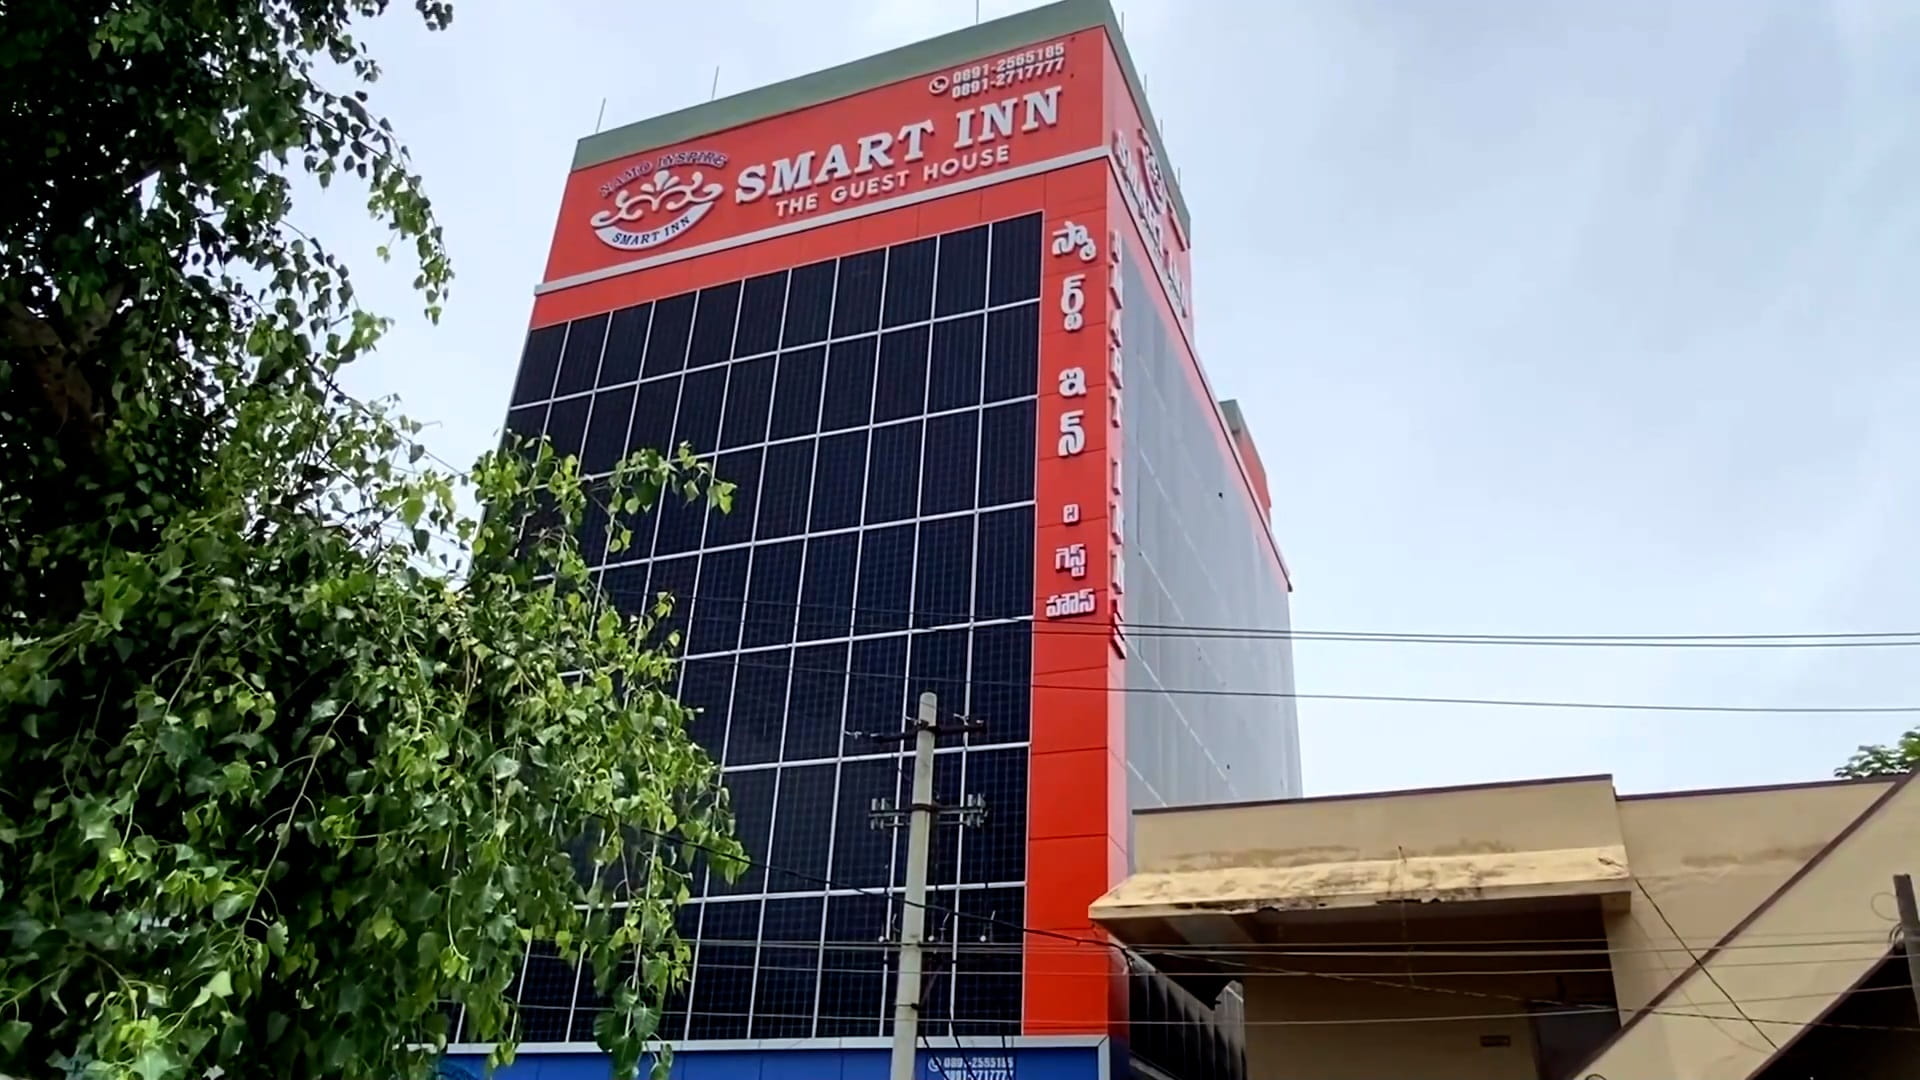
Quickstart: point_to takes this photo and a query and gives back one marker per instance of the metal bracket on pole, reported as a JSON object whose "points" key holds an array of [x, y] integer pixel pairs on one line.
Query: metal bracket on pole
{"points": [[970, 811]]}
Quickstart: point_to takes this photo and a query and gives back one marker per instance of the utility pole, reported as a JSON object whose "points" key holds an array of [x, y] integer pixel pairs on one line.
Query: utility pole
{"points": [[913, 917], [919, 818], [1909, 929]]}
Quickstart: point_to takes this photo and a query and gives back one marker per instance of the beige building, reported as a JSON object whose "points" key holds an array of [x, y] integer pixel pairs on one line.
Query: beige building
{"points": [[1541, 930]]}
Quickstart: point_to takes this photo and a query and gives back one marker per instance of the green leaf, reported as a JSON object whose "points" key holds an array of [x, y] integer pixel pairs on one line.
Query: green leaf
{"points": [[13, 1033], [646, 1023], [219, 986], [154, 1063], [255, 721]]}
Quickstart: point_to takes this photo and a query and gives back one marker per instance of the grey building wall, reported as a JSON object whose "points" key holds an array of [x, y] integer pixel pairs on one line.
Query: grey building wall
{"points": [[1195, 559]]}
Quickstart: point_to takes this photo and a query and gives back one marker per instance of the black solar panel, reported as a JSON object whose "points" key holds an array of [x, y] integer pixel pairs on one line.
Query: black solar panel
{"points": [[876, 415]]}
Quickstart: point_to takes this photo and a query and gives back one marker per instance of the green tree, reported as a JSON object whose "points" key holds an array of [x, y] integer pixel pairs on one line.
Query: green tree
{"points": [[1896, 759], [280, 780]]}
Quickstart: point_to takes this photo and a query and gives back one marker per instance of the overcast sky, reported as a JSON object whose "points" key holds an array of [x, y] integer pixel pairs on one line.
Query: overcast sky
{"points": [[1556, 317]]}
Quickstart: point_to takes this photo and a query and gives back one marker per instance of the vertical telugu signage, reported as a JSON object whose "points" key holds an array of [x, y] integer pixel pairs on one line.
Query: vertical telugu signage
{"points": [[1079, 561], [1146, 192], [1071, 417]]}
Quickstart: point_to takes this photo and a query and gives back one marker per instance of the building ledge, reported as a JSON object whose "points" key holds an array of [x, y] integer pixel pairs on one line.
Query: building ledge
{"points": [[1240, 890]]}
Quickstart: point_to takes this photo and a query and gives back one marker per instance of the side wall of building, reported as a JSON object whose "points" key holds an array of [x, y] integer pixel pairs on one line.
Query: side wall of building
{"points": [[1209, 719], [1347, 1028], [1780, 891], [1574, 813], [1705, 860]]}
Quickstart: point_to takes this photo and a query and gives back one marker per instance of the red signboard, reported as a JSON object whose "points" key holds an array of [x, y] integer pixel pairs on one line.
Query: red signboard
{"points": [[995, 119]]}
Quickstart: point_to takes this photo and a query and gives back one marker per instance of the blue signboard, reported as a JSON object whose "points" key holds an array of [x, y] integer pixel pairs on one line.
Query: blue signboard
{"points": [[826, 1063]]}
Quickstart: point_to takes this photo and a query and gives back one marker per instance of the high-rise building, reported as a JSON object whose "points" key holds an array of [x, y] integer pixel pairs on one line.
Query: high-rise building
{"points": [[929, 312]]}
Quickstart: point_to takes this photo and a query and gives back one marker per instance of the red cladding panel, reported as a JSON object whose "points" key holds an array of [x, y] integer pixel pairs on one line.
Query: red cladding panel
{"points": [[1076, 849], [1073, 989], [1068, 797], [1061, 877]]}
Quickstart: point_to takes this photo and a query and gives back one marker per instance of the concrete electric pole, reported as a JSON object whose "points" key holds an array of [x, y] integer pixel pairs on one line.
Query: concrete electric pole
{"points": [[1909, 929], [919, 817]]}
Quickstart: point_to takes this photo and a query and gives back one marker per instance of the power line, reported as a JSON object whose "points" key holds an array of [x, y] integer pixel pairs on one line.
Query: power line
{"points": [[738, 660], [1394, 948], [1850, 639], [1569, 1009], [1297, 695], [1301, 695], [874, 892], [944, 950], [1199, 632], [954, 948], [1203, 632], [1886, 638], [1333, 951], [1427, 952], [1702, 968], [1477, 946], [1130, 955]]}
